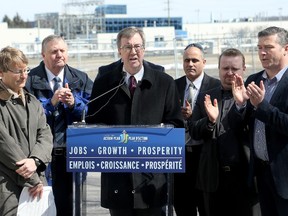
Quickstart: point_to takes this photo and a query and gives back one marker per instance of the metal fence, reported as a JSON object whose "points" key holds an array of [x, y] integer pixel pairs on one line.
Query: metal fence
{"points": [[88, 55]]}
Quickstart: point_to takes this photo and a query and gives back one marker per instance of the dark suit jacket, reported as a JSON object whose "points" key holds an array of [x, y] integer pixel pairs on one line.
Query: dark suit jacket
{"points": [[231, 142], [275, 116], [207, 83], [155, 101]]}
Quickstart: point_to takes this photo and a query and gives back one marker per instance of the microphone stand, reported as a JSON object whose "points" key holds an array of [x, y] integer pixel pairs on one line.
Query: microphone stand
{"points": [[122, 81]]}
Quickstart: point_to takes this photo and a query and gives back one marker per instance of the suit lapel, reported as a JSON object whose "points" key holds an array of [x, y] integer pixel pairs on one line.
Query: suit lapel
{"points": [[182, 92], [204, 83]]}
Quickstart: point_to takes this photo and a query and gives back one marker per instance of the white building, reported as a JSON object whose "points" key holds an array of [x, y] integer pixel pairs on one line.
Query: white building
{"points": [[159, 39], [229, 34], [26, 39]]}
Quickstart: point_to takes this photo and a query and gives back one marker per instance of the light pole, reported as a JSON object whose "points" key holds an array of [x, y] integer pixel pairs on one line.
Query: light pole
{"points": [[168, 4], [198, 33], [280, 15]]}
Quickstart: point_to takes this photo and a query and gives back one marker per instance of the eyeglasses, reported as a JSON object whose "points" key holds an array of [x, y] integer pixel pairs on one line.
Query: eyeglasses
{"points": [[26, 70], [128, 48]]}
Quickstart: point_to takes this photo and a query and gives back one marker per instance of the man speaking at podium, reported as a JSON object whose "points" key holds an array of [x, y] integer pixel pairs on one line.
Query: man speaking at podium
{"points": [[146, 95]]}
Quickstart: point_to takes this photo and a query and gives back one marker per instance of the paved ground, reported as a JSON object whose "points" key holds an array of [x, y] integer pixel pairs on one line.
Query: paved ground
{"points": [[91, 201], [91, 205]]}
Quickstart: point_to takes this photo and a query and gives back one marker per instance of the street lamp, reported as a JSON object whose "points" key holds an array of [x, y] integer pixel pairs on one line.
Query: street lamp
{"points": [[198, 33], [280, 15]]}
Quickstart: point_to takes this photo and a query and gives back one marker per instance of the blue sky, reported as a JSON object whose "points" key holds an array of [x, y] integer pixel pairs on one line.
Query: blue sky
{"points": [[191, 11]]}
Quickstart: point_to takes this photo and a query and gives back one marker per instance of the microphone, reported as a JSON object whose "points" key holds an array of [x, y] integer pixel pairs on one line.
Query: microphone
{"points": [[121, 82]]}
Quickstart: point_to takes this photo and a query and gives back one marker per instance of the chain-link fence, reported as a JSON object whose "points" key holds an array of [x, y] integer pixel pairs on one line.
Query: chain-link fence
{"points": [[88, 55]]}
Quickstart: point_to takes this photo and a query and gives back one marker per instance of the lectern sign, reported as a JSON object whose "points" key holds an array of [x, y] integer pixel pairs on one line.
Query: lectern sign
{"points": [[125, 149]]}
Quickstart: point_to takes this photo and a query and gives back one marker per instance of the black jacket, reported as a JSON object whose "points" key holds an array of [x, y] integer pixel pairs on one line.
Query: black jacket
{"points": [[221, 147], [155, 101]]}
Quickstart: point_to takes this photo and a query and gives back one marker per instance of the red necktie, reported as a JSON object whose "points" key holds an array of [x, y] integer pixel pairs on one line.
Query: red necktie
{"points": [[132, 84]]}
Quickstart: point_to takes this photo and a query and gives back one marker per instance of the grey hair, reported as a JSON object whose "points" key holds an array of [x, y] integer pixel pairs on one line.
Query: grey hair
{"points": [[49, 39], [280, 32]]}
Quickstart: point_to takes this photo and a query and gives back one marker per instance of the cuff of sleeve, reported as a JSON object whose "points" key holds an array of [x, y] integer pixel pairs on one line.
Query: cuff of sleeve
{"points": [[210, 125]]}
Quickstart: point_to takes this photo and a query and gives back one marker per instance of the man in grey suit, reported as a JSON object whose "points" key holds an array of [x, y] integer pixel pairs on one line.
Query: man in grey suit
{"points": [[187, 199]]}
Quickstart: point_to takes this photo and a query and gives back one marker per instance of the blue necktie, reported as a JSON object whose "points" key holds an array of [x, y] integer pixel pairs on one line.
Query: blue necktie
{"points": [[57, 82], [260, 144], [59, 120]]}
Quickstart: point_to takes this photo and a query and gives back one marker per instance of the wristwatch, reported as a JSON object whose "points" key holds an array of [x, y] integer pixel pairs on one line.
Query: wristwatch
{"points": [[37, 161]]}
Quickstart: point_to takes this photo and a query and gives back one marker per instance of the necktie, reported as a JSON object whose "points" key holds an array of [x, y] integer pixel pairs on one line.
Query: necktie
{"points": [[59, 120], [191, 93], [190, 96], [260, 144], [57, 82], [132, 85]]}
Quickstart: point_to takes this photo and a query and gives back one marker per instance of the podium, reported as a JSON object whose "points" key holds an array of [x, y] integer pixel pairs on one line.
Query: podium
{"points": [[135, 148]]}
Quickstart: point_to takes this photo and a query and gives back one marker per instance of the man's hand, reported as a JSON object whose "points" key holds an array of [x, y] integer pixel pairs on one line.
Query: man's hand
{"points": [[256, 93], [211, 109], [67, 97], [239, 90], [186, 110], [63, 95]]}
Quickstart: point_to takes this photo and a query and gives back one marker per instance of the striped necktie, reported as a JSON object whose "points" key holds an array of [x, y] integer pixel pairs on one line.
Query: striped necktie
{"points": [[57, 82], [59, 119]]}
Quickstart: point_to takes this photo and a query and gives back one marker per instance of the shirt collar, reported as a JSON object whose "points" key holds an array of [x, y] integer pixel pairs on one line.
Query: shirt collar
{"points": [[278, 75], [138, 76], [197, 82], [51, 76]]}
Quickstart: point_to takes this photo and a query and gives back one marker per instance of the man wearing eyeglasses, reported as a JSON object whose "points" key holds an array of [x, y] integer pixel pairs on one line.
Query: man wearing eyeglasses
{"points": [[153, 100], [187, 199], [25, 137], [64, 92]]}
